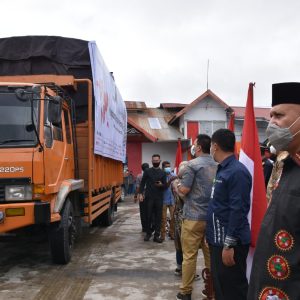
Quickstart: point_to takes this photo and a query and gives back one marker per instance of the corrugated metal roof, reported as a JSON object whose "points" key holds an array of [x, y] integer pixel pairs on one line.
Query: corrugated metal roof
{"points": [[135, 105], [139, 114], [260, 112], [166, 133], [141, 129], [172, 105]]}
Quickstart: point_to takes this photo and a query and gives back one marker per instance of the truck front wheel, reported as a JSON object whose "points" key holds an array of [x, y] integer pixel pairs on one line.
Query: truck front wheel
{"points": [[62, 235]]}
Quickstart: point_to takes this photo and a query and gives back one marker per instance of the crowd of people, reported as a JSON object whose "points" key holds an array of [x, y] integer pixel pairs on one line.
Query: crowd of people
{"points": [[208, 202]]}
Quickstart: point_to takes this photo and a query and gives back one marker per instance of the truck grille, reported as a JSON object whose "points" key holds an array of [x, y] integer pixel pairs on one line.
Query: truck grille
{"points": [[2, 192]]}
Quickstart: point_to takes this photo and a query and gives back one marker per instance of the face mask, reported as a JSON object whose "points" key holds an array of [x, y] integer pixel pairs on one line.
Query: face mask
{"points": [[193, 150], [156, 164], [272, 150], [279, 137], [168, 170], [212, 153]]}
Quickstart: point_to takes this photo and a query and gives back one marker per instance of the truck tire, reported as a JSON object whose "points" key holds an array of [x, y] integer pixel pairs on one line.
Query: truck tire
{"points": [[62, 235], [108, 216], [78, 227]]}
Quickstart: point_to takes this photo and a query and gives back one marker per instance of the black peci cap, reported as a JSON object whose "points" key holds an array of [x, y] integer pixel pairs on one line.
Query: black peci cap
{"points": [[286, 92]]}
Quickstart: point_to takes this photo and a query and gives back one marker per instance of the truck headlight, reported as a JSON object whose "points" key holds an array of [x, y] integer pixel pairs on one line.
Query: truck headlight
{"points": [[18, 192]]}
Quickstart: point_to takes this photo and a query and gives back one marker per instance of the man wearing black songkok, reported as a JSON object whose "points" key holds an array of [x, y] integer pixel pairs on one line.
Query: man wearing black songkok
{"points": [[276, 266]]}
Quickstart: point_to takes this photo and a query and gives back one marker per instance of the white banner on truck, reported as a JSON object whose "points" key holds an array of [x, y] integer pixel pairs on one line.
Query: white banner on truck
{"points": [[110, 110]]}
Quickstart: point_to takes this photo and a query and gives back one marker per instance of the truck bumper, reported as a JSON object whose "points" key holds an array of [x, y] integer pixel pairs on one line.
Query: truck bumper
{"points": [[17, 215]]}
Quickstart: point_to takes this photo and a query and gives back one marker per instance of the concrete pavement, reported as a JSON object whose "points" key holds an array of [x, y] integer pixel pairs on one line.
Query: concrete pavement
{"points": [[108, 264]]}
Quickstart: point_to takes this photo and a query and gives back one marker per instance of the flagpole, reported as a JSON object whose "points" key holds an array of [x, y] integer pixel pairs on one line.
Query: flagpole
{"points": [[207, 74]]}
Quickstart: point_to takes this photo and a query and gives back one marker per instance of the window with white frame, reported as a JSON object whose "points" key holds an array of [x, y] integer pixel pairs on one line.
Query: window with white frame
{"points": [[209, 127], [218, 125], [206, 127]]}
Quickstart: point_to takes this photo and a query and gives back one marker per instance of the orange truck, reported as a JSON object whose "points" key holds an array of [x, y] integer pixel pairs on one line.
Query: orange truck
{"points": [[50, 173]]}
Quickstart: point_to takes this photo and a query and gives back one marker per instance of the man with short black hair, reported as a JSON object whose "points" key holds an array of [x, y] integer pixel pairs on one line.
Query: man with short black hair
{"points": [[228, 230], [153, 183], [196, 184], [275, 272]]}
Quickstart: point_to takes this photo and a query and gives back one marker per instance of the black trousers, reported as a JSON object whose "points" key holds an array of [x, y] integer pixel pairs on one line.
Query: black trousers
{"points": [[230, 283], [154, 212], [143, 215]]}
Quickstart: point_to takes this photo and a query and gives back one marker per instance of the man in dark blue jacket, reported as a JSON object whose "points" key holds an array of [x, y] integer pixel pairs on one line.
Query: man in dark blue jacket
{"points": [[228, 230]]}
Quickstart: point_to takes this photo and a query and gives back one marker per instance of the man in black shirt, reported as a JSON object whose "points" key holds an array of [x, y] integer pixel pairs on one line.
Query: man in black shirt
{"points": [[141, 204], [153, 182], [275, 271]]}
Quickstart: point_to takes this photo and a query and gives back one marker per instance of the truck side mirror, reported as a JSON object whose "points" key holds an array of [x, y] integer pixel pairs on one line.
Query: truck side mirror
{"points": [[54, 109]]}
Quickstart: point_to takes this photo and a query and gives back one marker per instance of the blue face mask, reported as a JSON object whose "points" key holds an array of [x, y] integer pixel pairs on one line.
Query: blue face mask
{"points": [[168, 170]]}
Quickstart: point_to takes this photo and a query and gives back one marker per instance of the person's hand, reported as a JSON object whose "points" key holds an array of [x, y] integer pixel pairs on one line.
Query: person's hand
{"points": [[228, 257], [140, 197], [135, 198]]}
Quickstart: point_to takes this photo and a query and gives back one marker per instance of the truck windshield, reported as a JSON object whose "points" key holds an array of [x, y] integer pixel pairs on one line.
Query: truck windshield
{"points": [[16, 129]]}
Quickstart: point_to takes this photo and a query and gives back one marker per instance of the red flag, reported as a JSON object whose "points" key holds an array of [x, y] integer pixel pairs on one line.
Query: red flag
{"points": [[178, 159], [231, 122], [250, 156]]}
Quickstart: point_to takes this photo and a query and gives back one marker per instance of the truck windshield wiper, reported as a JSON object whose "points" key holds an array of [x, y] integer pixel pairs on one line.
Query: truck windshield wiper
{"points": [[11, 141]]}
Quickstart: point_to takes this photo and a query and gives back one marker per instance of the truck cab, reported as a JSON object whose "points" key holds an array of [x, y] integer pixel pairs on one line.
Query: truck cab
{"points": [[36, 158]]}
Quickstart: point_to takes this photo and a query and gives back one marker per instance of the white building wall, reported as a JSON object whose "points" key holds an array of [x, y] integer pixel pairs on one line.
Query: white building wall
{"points": [[166, 150], [182, 125], [261, 128], [207, 110], [210, 114], [238, 128]]}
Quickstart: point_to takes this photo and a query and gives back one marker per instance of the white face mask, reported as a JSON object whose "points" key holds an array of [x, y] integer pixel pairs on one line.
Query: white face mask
{"points": [[272, 149], [212, 153], [193, 150], [279, 137]]}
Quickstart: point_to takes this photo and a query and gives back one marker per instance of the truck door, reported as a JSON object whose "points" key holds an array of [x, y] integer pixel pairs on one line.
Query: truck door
{"points": [[58, 151], [69, 152]]}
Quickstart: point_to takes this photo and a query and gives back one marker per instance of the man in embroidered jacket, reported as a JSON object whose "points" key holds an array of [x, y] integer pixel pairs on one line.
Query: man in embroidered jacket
{"points": [[275, 271]]}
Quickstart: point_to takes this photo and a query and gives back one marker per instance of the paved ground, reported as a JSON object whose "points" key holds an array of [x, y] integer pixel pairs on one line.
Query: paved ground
{"points": [[108, 263]]}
